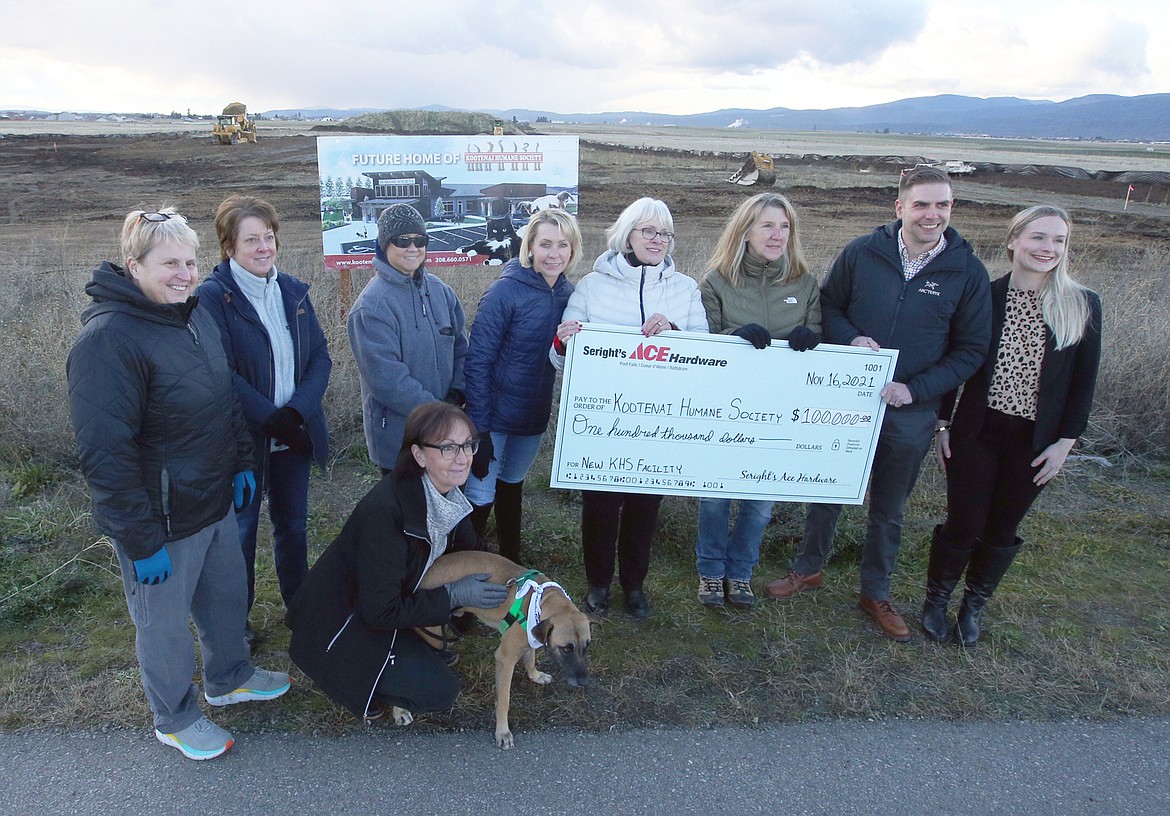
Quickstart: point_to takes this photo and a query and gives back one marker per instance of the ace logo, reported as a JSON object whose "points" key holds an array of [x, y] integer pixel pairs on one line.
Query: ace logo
{"points": [[650, 352]]}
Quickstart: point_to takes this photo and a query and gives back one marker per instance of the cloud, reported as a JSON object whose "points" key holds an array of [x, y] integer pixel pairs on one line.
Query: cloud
{"points": [[687, 56]]}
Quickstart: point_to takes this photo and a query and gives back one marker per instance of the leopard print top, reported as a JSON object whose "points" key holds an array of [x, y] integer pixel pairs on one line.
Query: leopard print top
{"points": [[1016, 380]]}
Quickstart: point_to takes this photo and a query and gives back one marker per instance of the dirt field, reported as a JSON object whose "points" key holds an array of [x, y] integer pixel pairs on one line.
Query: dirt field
{"points": [[75, 186]]}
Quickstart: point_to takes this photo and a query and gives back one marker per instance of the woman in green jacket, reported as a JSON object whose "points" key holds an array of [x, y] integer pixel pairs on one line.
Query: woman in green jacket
{"points": [[758, 287]]}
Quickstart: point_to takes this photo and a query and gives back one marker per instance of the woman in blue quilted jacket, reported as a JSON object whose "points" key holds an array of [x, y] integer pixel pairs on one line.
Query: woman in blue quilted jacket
{"points": [[280, 365], [508, 374]]}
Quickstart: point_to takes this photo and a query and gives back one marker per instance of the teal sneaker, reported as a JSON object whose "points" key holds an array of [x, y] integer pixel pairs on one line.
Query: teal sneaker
{"points": [[202, 739], [262, 685]]}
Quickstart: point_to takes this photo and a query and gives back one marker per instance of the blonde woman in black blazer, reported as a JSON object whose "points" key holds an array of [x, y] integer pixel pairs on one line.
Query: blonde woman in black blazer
{"points": [[1016, 421]]}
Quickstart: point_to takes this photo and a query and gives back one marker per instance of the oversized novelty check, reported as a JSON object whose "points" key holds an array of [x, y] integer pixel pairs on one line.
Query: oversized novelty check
{"points": [[689, 414]]}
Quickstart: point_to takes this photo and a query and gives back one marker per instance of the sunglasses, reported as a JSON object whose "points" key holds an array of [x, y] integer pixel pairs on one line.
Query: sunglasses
{"points": [[403, 241], [159, 217]]}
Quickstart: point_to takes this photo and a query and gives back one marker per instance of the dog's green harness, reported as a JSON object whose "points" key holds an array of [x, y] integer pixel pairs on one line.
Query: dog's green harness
{"points": [[516, 613]]}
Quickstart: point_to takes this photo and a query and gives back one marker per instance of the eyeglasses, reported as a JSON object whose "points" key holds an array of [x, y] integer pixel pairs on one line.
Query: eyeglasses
{"points": [[451, 450], [403, 241], [159, 217], [649, 233]]}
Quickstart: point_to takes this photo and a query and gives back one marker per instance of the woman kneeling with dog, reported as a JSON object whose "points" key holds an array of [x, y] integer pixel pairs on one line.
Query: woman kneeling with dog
{"points": [[354, 617]]}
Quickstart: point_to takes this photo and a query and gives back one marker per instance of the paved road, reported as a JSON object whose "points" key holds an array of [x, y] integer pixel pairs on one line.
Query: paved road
{"points": [[822, 768]]}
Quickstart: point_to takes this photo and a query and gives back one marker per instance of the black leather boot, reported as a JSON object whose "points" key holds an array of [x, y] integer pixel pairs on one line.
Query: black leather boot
{"points": [[946, 564], [479, 517], [509, 499], [987, 568]]}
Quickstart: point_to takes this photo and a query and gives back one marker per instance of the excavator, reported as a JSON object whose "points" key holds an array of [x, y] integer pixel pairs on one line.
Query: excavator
{"points": [[758, 171], [233, 126]]}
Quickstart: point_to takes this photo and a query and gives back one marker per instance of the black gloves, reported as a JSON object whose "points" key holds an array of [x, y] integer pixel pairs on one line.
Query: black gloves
{"points": [[802, 338], [755, 334], [286, 426], [476, 591], [483, 456], [456, 398]]}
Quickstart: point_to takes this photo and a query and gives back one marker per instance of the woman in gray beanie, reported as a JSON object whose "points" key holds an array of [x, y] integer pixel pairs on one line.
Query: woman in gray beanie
{"points": [[407, 333]]}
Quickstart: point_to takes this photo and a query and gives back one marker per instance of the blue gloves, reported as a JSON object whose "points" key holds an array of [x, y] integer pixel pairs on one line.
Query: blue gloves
{"points": [[243, 489], [154, 569], [476, 591], [802, 338], [755, 334]]}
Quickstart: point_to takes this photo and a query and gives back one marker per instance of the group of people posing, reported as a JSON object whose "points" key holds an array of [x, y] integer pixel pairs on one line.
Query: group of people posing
{"points": [[190, 404]]}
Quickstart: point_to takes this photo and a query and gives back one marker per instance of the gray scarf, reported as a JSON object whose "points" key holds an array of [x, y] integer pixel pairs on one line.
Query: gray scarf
{"points": [[443, 513]]}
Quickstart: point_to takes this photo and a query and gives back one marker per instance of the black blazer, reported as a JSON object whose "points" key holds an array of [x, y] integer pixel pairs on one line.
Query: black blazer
{"points": [[1068, 378]]}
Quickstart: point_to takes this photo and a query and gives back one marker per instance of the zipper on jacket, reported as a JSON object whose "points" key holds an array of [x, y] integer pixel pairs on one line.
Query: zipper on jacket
{"points": [[641, 286], [165, 487], [339, 631]]}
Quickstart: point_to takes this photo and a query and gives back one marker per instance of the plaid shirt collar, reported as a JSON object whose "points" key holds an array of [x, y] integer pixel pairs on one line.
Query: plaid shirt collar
{"points": [[912, 266]]}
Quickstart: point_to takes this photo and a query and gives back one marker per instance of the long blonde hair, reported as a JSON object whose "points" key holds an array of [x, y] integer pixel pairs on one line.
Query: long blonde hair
{"points": [[727, 259], [1063, 301]]}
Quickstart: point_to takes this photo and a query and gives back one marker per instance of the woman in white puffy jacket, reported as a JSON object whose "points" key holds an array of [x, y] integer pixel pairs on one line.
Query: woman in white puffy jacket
{"points": [[633, 283]]}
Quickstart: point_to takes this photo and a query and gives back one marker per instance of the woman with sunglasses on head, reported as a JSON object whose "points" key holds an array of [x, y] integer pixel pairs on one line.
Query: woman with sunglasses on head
{"points": [[757, 287], [353, 621], [166, 452], [1016, 421], [633, 283], [509, 376], [277, 351], [406, 330]]}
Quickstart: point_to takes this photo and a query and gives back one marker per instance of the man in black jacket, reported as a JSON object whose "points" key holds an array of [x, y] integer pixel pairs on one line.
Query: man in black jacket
{"points": [[914, 285]]}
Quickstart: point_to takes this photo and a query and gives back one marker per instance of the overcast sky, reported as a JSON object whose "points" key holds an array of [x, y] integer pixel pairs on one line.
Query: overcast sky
{"points": [[684, 56]]}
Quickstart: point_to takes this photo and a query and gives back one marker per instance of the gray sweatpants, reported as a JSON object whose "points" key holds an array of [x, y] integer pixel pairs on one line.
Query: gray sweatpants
{"points": [[209, 585]]}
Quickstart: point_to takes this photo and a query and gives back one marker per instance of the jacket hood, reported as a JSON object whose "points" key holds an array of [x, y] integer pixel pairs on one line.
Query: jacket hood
{"points": [[222, 274], [113, 291], [530, 277], [615, 265]]}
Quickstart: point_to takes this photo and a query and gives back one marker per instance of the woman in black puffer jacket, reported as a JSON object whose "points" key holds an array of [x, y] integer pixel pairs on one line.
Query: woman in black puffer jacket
{"points": [[165, 450]]}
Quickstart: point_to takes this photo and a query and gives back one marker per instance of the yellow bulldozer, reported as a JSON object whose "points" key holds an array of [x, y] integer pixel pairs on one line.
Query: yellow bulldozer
{"points": [[233, 126]]}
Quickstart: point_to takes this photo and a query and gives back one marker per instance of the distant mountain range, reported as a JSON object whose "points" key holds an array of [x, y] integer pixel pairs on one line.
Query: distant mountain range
{"points": [[1100, 116]]}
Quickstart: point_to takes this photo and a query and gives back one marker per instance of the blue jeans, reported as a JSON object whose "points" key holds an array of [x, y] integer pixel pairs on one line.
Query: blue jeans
{"points": [[734, 557], [288, 507], [514, 455], [904, 440]]}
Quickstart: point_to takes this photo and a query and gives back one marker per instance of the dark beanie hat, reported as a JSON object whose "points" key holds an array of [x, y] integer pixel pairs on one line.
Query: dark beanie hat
{"points": [[399, 219]]}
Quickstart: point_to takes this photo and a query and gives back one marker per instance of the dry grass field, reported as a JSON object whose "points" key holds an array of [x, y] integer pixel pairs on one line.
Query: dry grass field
{"points": [[1079, 628]]}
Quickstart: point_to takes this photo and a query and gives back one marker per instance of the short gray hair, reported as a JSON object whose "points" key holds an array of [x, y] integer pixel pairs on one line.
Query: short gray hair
{"points": [[644, 209]]}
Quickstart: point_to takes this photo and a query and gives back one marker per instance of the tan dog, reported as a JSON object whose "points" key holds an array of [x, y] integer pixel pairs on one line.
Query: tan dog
{"points": [[563, 630]]}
